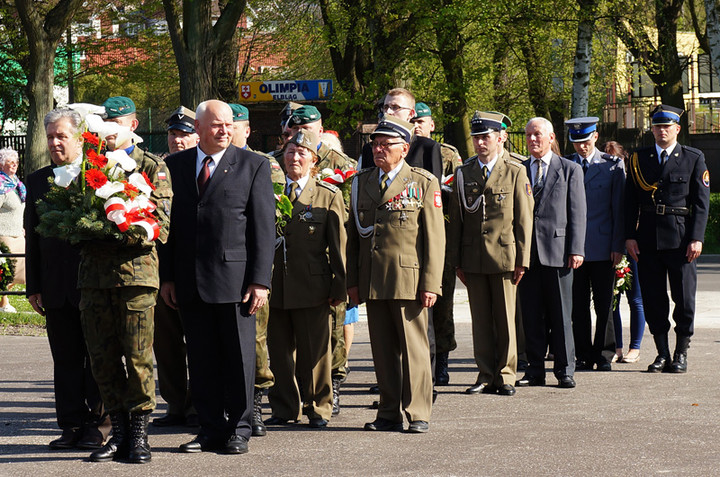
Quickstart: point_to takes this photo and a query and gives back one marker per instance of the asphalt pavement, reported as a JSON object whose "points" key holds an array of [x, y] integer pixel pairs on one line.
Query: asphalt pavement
{"points": [[623, 422]]}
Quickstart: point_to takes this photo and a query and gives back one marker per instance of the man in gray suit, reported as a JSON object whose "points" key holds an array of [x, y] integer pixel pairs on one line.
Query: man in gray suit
{"points": [[558, 247], [604, 246]]}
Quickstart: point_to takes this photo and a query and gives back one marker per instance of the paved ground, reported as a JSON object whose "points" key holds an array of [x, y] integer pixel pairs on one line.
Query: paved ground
{"points": [[625, 422]]}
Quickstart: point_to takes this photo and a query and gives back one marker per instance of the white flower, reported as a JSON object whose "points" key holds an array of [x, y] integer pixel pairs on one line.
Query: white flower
{"points": [[121, 157], [619, 282], [66, 174], [109, 189], [104, 129], [139, 181], [84, 109]]}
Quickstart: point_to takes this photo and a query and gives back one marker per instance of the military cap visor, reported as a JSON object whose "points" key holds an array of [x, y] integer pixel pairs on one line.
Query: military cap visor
{"points": [[394, 127], [484, 123], [118, 106], [664, 114], [182, 119]]}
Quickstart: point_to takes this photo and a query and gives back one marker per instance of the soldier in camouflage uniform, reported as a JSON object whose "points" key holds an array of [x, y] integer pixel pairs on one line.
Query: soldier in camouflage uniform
{"points": [[264, 378], [442, 314], [309, 118], [118, 282]]}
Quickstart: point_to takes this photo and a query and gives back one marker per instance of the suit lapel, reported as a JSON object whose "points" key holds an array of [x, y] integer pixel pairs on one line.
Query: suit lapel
{"points": [[497, 171], [551, 177], [223, 169], [372, 185], [188, 164], [672, 163]]}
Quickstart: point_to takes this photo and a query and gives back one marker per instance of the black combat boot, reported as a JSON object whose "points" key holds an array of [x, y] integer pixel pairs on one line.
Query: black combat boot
{"points": [[117, 447], [662, 361], [336, 396], [139, 447], [679, 362], [258, 428], [442, 378]]}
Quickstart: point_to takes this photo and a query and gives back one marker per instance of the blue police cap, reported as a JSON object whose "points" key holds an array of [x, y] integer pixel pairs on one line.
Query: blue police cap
{"points": [[664, 114], [581, 129]]}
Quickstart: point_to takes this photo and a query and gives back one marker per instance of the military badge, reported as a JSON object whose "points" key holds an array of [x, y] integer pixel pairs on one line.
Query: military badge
{"points": [[306, 214], [528, 189], [706, 179], [438, 199]]}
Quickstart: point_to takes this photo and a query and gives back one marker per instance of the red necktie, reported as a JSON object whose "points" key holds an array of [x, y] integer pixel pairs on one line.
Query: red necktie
{"points": [[204, 176]]}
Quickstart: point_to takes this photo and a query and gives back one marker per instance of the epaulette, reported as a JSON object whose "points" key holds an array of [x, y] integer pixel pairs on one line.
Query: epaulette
{"points": [[449, 146], [152, 156], [423, 172], [609, 157], [691, 149], [470, 159], [514, 164], [328, 186], [518, 157]]}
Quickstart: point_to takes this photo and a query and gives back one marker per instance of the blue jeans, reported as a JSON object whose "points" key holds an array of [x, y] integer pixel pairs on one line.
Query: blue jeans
{"points": [[637, 313]]}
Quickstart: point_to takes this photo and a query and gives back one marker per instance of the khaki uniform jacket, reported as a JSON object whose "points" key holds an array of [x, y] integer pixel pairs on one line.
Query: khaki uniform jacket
{"points": [[493, 237], [400, 247], [311, 267]]}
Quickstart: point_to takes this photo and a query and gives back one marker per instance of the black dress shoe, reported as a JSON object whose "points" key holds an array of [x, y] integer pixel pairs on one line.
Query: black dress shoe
{"points": [[91, 438], [566, 382], [201, 443], [530, 381], [679, 363], [235, 445], [276, 421], [604, 366], [67, 440], [418, 427], [381, 424], [318, 422], [476, 389], [661, 364], [582, 365], [169, 420], [506, 390]]}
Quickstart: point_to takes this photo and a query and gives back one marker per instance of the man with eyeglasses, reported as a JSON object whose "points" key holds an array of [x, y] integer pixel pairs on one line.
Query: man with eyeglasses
{"points": [[395, 254], [423, 152]]}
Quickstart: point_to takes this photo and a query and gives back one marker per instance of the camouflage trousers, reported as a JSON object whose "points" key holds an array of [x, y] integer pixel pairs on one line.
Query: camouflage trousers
{"points": [[337, 342], [118, 324], [264, 378], [442, 315]]}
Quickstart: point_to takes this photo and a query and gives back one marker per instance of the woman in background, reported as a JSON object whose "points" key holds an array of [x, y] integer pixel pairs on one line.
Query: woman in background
{"points": [[12, 207]]}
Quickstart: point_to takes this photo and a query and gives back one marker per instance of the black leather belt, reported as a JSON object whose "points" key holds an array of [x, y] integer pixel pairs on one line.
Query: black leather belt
{"points": [[662, 209]]}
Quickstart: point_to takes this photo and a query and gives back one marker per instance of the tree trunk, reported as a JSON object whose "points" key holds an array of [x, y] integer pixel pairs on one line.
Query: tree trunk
{"points": [[581, 71], [712, 18]]}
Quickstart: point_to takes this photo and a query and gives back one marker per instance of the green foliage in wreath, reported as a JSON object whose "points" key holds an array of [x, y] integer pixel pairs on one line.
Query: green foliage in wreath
{"points": [[7, 268], [70, 215]]}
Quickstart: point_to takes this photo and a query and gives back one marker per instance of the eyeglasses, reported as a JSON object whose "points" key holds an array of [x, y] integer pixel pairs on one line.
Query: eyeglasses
{"points": [[384, 145], [393, 108]]}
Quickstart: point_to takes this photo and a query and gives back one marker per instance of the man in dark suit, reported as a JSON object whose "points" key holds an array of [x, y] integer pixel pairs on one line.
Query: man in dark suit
{"points": [[604, 246], [424, 152], [52, 273], [557, 249], [216, 268], [667, 199]]}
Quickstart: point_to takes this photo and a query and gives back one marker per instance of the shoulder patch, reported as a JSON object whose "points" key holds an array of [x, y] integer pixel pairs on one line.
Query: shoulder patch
{"points": [[706, 178], [528, 189], [423, 172], [328, 186]]}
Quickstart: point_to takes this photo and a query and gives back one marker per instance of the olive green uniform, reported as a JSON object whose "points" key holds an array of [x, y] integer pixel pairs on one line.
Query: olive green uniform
{"points": [[118, 284]]}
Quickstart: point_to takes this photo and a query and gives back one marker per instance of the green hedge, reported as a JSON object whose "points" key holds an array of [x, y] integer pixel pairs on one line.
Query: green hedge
{"points": [[712, 233]]}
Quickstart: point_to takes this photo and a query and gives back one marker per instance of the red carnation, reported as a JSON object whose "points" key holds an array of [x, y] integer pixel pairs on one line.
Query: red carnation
{"points": [[97, 160], [91, 138], [130, 190], [619, 273], [147, 179], [95, 178]]}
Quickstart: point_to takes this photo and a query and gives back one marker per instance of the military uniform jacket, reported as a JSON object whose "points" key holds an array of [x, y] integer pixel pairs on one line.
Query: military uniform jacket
{"points": [[424, 152], [309, 267], [51, 264], [683, 181], [490, 228], [605, 192], [559, 224], [329, 158], [109, 264], [396, 242]]}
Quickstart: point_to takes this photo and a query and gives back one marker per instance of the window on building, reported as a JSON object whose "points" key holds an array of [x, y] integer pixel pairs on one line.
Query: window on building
{"points": [[708, 81], [642, 86]]}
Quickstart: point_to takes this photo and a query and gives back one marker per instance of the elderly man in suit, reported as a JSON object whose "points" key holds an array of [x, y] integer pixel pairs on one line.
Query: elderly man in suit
{"points": [[558, 248], [604, 178], [395, 254], [216, 269], [489, 244], [52, 273], [667, 201]]}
